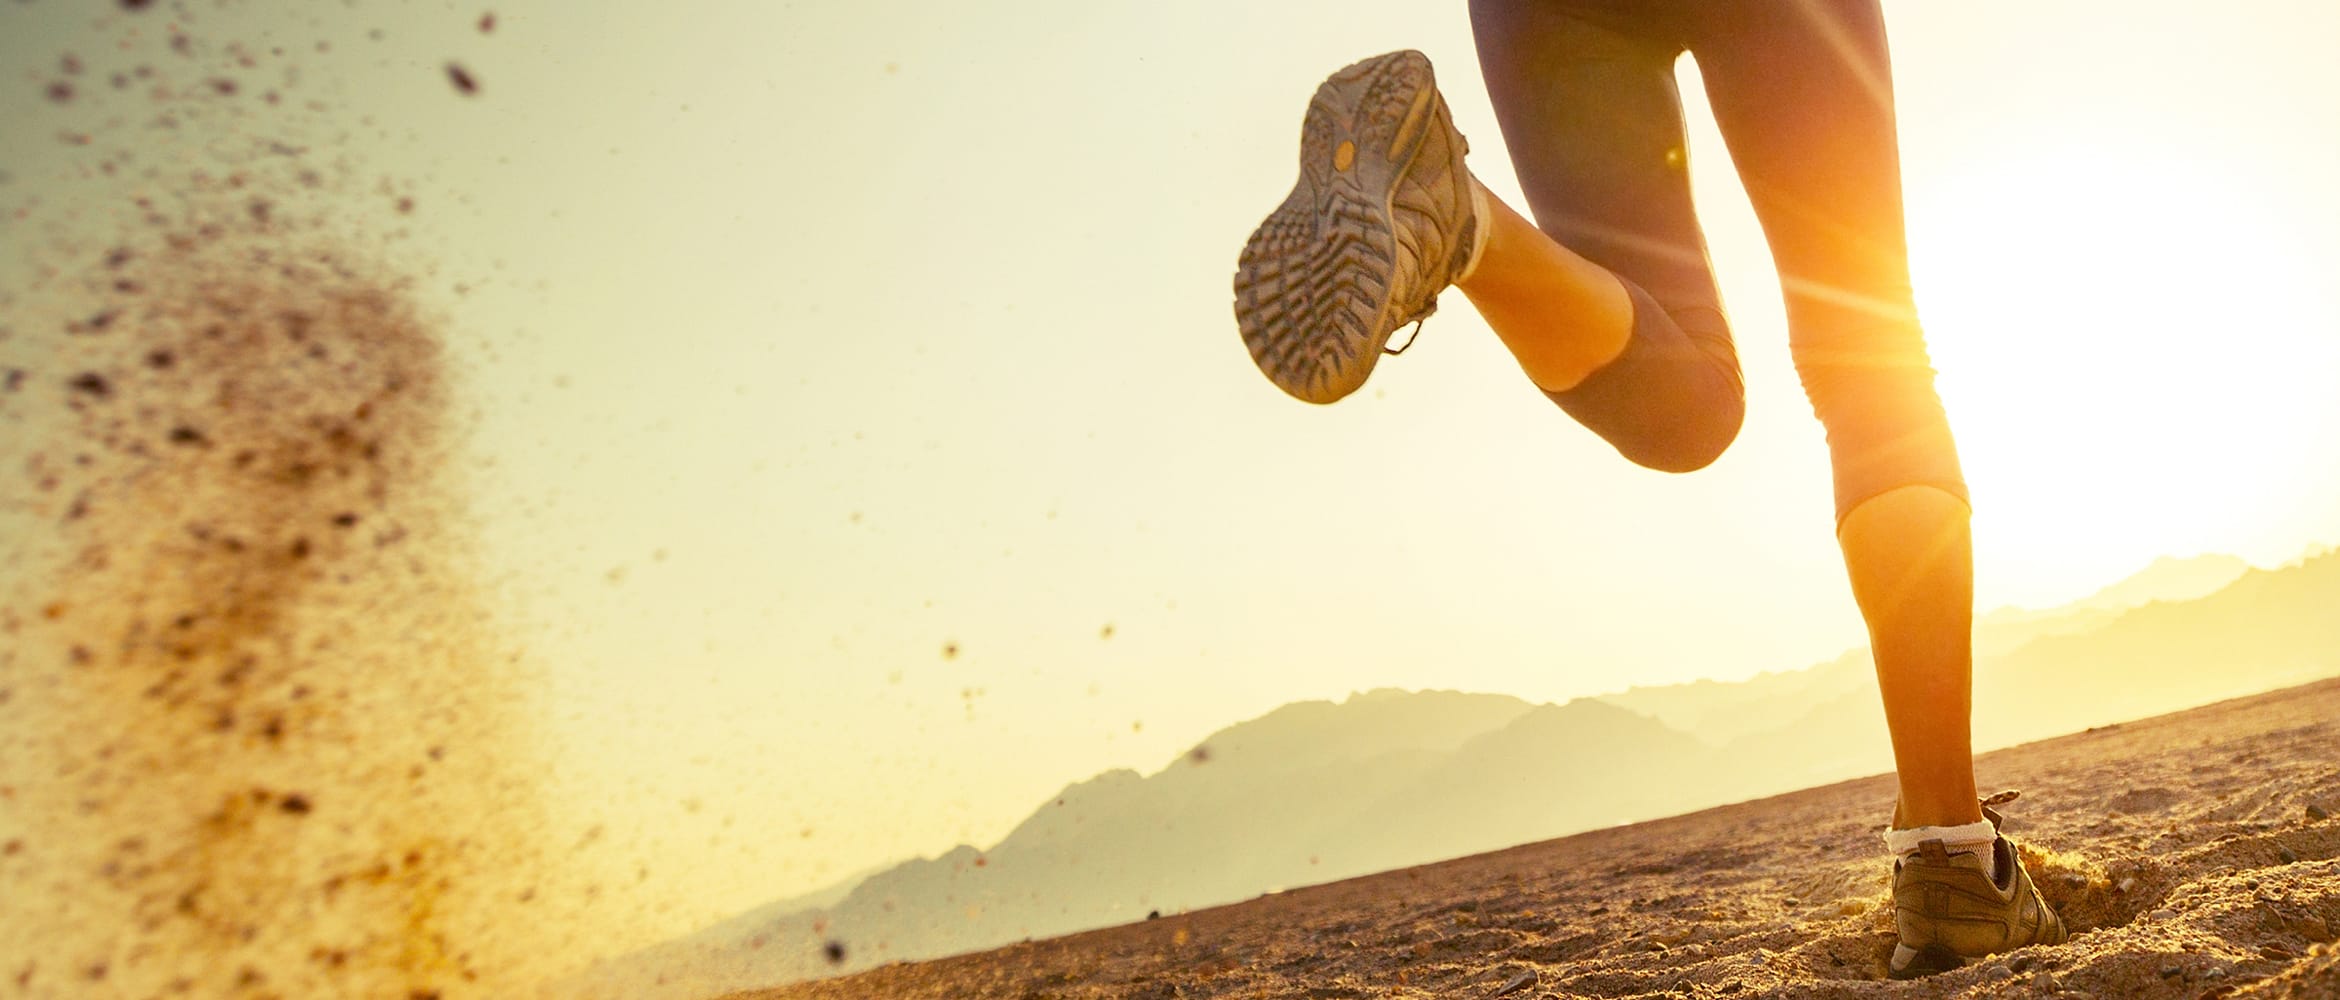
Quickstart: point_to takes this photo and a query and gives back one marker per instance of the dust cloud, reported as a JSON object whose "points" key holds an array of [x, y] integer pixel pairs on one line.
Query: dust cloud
{"points": [[258, 733]]}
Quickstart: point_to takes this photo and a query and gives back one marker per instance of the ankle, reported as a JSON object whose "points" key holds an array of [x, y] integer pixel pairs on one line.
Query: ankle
{"points": [[1482, 225], [1979, 838], [1959, 808]]}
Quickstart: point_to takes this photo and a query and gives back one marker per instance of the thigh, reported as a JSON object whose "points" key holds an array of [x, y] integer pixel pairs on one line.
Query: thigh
{"points": [[1586, 98], [1803, 94]]}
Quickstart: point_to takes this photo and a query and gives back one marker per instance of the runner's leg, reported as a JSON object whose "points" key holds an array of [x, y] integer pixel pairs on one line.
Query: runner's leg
{"points": [[1562, 316], [1803, 93], [1594, 126]]}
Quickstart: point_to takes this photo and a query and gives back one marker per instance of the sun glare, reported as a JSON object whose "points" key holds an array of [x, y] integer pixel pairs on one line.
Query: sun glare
{"points": [[2122, 337]]}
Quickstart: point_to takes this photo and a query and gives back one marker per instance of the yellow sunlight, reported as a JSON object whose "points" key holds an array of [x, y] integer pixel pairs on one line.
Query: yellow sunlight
{"points": [[2112, 322]]}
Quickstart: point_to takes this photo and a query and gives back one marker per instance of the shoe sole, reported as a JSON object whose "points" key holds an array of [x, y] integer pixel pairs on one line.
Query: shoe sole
{"points": [[1313, 288]]}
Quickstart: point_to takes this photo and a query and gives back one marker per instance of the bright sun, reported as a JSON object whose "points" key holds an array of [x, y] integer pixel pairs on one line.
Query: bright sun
{"points": [[2130, 344]]}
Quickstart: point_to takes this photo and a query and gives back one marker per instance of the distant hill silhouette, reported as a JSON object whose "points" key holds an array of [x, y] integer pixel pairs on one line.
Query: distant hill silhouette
{"points": [[1317, 791], [1556, 767], [2267, 629], [1721, 711], [2167, 579]]}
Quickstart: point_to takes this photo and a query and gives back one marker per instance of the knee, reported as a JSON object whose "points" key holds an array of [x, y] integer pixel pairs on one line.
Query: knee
{"points": [[1692, 440], [1886, 431], [1673, 408], [1673, 400]]}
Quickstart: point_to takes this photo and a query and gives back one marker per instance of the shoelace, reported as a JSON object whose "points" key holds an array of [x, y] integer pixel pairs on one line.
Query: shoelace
{"points": [[1999, 799], [1401, 348]]}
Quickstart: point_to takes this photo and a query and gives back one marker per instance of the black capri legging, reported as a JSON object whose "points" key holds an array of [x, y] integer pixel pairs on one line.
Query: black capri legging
{"points": [[1802, 92]]}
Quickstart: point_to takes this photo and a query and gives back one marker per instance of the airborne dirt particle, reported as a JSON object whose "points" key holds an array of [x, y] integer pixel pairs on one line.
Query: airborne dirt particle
{"points": [[98, 322], [462, 79], [92, 384]]}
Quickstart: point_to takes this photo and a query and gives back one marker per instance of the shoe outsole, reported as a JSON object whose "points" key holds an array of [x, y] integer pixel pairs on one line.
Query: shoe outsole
{"points": [[1316, 286]]}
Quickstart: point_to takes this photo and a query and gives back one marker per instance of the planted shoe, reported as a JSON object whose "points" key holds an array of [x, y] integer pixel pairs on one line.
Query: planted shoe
{"points": [[1948, 909], [1379, 223]]}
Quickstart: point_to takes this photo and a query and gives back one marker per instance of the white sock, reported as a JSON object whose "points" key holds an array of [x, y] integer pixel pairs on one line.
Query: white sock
{"points": [[1485, 224], [1974, 838]]}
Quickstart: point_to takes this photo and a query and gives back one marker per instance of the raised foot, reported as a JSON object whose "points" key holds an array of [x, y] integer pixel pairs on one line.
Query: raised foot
{"points": [[1377, 225]]}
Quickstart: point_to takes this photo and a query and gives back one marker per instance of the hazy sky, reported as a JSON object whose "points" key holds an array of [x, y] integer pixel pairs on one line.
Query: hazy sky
{"points": [[809, 341]]}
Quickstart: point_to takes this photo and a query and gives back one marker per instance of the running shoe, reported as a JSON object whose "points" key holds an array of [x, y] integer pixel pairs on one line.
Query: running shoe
{"points": [[1947, 909], [1379, 223]]}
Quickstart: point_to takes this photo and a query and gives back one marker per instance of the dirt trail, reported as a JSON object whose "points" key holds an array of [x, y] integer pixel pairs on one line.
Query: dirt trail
{"points": [[2194, 853]]}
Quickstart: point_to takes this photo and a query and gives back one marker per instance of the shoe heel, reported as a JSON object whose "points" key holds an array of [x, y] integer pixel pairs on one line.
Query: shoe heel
{"points": [[1912, 963]]}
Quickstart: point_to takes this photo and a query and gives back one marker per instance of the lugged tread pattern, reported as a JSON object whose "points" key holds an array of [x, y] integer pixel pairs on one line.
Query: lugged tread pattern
{"points": [[1352, 255]]}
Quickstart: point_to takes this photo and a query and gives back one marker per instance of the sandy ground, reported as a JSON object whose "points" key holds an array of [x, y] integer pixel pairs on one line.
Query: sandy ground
{"points": [[2193, 855]]}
